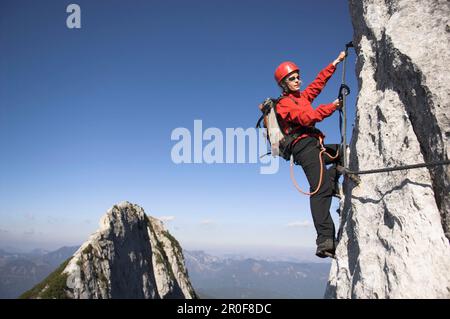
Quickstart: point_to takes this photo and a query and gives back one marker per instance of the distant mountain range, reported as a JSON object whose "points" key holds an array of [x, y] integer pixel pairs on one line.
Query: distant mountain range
{"points": [[214, 277], [21, 271], [211, 276]]}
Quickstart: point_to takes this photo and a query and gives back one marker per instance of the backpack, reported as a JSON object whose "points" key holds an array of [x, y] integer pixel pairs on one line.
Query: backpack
{"points": [[280, 142]]}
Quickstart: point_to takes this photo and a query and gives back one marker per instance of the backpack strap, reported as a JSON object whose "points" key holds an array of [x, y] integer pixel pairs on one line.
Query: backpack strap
{"points": [[258, 124], [265, 110], [290, 129]]}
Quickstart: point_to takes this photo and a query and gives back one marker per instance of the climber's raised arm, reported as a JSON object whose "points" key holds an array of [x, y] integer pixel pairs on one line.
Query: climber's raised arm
{"points": [[314, 89]]}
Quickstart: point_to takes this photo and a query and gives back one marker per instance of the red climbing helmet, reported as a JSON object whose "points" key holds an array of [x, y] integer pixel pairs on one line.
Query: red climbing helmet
{"points": [[284, 69]]}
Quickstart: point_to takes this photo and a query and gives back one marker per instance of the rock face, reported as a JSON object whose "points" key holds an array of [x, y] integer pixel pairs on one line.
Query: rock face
{"points": [[393, 238], [130, 256]]}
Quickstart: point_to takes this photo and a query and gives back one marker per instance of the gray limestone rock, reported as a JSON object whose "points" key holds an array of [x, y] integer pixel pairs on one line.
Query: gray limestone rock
{"points": [[395, 227]]}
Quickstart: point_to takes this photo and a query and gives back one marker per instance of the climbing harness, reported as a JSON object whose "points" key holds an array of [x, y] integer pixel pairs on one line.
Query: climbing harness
{"points": [[322, 151]]}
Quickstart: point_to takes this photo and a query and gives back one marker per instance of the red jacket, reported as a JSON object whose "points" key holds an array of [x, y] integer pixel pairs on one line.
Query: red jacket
{"points": [[300, 113]]}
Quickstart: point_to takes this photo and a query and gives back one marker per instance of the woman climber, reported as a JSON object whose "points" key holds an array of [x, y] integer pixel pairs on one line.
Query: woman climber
{"points": [[298, 116]]}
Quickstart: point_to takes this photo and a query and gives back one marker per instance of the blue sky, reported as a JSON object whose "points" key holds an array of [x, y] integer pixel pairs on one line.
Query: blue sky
{"points": [[86, 115]]}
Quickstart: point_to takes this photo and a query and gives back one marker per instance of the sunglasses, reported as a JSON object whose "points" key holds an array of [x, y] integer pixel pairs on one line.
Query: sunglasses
{"points": [[293, 78]]}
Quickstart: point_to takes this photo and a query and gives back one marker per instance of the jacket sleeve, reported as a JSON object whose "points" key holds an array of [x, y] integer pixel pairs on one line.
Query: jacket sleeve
{"points": [[314, 89], [303, 114]]}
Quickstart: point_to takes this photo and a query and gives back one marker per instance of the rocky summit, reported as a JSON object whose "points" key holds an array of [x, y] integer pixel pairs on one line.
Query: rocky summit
{"points": [[131, 255]]}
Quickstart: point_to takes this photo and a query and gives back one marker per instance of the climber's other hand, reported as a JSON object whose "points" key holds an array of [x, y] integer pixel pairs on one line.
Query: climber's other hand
{"points": [[340, 58], [338, 104]]}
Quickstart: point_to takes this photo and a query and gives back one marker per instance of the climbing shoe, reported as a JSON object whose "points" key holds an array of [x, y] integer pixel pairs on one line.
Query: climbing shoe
{"points": [[326, 248]]}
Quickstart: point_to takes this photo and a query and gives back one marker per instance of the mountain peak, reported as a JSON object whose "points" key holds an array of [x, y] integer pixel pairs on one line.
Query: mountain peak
{"points": [[131, 255]]}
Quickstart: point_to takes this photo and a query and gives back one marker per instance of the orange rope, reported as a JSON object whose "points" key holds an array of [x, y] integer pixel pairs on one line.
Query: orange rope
{"points": [[322, 150]]}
